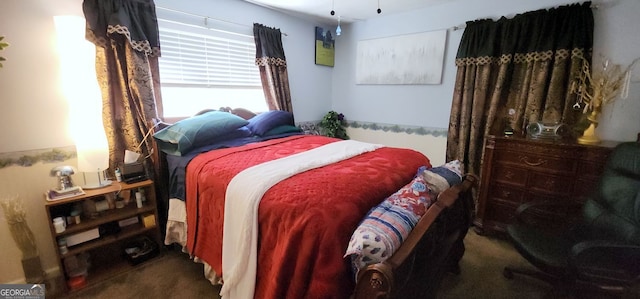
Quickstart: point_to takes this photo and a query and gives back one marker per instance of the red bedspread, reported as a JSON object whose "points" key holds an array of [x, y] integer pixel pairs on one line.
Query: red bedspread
{"points": [[305, 222]]}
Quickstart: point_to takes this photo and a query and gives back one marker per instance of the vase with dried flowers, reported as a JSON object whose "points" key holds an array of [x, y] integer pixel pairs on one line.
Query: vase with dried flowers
{"points": [[16, 217], [596, 88], [2, 46]]}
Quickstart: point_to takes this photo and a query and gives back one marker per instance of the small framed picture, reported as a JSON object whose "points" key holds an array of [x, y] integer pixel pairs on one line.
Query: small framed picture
{"points": [[325, 47]]}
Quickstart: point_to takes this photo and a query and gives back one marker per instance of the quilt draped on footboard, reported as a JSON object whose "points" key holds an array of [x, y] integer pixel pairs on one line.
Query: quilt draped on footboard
{"points": [[305, 222]]}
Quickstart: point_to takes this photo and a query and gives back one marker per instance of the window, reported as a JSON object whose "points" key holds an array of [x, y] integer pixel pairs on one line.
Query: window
{"points": [[204, 68]]}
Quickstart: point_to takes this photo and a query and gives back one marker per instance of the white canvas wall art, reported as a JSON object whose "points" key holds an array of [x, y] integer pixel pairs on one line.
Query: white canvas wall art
{"points": [[405, 59]]}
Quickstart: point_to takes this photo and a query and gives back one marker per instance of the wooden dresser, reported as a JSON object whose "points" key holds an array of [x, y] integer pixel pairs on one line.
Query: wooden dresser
{"points": [[518, 170]]}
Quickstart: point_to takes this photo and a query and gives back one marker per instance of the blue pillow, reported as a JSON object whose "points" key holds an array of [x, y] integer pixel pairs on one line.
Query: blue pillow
{"points": [[442, 177], [241, 132], [263, 122], [195, 131]]}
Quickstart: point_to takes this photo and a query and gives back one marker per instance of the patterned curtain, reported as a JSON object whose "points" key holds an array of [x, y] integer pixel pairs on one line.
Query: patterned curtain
{"points": [[125, 33], [525, 64], [273, 67]]}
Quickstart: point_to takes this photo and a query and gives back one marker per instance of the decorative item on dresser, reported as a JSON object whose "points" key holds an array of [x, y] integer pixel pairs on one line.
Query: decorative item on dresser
{"points": [[2, 46], [596, 88], [518, 170]]}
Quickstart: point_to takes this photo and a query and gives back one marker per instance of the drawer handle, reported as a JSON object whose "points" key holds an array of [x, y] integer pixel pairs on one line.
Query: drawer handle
{"points": [[524, 160], [550, 183]]}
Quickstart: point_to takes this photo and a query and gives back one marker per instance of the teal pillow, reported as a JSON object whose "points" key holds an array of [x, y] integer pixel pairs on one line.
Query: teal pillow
{"points": [[187, 134]]}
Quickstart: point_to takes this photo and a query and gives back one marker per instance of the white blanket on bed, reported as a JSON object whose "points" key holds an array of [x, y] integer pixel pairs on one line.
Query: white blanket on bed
{"points": [[240, 232]]}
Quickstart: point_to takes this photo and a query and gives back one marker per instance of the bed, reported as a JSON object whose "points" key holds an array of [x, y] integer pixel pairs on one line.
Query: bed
{"points": [[273, 212]]}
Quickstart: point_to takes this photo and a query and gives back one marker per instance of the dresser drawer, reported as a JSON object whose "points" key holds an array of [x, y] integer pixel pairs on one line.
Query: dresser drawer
{"points": [[590, 169], [538, 162], [509, 175], [597, 154], [520, 145], [551, 215], [583, 187], [506, 193], [550, 184], [503, 213], [500, 212]]}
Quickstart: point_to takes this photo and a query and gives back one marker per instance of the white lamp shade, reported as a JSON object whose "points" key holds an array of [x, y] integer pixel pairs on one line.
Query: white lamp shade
{"points": [[80, 87], [92, 159]]}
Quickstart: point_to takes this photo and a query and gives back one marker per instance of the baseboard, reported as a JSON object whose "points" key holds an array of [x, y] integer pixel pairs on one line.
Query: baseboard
{"points": [[50, 273], [432, 143]]}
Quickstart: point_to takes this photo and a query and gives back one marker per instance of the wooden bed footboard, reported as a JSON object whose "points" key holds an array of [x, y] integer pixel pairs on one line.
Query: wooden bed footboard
{"points": [[433, 248]]}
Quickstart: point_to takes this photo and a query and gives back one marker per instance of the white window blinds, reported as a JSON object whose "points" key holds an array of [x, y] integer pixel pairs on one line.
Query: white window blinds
{"points": [[193, 55]]}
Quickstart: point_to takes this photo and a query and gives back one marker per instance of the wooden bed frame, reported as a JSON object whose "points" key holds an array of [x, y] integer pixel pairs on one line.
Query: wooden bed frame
{"points": [[432, 249]]}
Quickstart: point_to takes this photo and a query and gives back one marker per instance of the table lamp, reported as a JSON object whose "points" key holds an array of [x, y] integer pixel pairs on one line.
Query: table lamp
{"points": [[80, 87], [93, 163]]}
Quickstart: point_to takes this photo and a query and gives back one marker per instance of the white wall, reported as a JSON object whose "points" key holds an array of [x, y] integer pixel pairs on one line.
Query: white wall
{"points": [[34, 113], [430, 105], [29, 183]]}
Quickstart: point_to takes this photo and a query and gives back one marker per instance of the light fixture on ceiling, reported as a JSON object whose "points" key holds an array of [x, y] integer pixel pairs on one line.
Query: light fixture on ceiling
{"points": [[333, 13]]}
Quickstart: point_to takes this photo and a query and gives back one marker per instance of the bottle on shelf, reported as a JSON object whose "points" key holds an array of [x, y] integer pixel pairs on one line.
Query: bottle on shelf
{"points": [[141, 191], [139, 199], [62, 246], [118, 175]]}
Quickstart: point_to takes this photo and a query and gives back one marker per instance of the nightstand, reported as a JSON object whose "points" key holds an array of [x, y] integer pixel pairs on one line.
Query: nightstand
{"points": [[92, 246]]}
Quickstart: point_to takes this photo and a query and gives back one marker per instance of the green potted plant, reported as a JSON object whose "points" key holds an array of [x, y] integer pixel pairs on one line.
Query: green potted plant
{"points": [[333, 125]]}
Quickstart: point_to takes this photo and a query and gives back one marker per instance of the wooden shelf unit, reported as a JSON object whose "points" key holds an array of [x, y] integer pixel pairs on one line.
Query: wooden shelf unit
{"points": [[106, 252]]}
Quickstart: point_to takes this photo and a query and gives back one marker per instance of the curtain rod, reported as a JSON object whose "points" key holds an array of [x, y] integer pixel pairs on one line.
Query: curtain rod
{"points": [[462, 26], [205, 27], [207, 17]]}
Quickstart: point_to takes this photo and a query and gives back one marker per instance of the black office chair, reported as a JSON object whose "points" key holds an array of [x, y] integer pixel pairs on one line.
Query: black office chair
{"points": [[600, 253]]}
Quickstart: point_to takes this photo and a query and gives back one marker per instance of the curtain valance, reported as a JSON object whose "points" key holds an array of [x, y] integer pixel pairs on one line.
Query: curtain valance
{"points": [[132, 20], [533, 36], [269, 50]]}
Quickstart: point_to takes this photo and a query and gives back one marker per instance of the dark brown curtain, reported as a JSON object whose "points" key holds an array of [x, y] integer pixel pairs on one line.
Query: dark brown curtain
{"points": [[273, 67], [125, 33], [525, 64]]}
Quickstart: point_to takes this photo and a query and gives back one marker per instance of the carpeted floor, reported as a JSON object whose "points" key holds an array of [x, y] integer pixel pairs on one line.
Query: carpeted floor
{"points": [[174, 275], [481, 272]]}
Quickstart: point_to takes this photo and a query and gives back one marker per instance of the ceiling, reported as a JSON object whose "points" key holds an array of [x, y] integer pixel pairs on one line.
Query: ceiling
{"points": [[349, 11]]}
